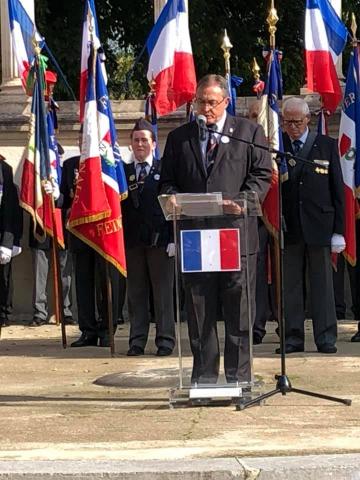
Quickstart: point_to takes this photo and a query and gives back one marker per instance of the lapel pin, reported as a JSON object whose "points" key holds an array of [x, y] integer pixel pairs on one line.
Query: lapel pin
{"points": [[132, 178], [225, 139], [156, 176]]}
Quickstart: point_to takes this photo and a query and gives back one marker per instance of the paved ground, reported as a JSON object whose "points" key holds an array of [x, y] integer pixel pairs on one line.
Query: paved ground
{"points": [[51, 407]]}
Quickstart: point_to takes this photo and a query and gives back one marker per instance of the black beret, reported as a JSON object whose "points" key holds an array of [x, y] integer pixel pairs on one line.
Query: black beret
{"points": [[143, 124]]}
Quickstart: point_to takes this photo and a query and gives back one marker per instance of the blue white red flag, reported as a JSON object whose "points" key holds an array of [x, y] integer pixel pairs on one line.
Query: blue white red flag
{"points": [[349, 147], [95, 215], [233, 83], [325, 39], [23, 31], [215, 250], [40, 164], [171, 62], [270, 120]]}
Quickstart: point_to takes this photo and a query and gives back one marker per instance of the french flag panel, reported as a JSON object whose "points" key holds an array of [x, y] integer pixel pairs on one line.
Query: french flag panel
{"points": [[215, 250]]}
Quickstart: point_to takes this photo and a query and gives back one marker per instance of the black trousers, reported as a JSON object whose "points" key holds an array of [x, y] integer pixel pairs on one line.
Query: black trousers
{"points": [[90, 273], [6, 290], [265, 292], [322, 300], [150, 266], [203, 292]]}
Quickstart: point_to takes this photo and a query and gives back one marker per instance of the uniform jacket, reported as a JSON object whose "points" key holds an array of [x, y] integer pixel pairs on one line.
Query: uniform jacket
{"points": [[238, 167], [143, 219], [11, 214], [313, 196]]}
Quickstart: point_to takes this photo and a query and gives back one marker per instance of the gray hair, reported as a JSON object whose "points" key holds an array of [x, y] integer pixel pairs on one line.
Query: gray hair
{"points": [[212, 79], [296, 103]]}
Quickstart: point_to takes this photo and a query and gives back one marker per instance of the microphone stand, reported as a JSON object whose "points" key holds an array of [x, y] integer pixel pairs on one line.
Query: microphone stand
{"points": [[283, 384]]}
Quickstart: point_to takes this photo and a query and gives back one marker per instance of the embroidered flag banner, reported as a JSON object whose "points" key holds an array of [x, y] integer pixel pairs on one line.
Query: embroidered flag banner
{"points": [[215, 250], [349, 140]]}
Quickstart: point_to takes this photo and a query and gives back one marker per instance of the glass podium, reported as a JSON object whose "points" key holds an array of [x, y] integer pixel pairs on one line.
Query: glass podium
{"points": [[215, 270]]}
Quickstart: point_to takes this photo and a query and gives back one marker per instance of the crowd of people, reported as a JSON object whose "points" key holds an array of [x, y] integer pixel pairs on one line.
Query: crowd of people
{"points": [[313, 211]]}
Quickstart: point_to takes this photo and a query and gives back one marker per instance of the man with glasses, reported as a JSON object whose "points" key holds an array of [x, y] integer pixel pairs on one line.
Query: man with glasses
{"points": [[198, 163], [313, 209]]}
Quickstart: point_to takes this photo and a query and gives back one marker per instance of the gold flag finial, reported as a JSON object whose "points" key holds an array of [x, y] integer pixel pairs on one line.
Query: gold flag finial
{"points": [[226, 47], [353, 29], [255, 69], [272, 20], [35, 44]]}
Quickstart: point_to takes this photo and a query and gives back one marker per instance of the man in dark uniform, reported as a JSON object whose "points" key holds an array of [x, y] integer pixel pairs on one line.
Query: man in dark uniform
{"points": [[218, 163], [88, 265], [11, 226], [149, 247], [313, 207]]}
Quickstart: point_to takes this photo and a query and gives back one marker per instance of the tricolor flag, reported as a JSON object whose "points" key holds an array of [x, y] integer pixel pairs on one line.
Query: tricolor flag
{"points": [[95, 215], [210, 250], [233, 83], [269, 118], [90, 39], [325, 39], [349, 142], [23, 31], [40, 164], [171, 62]]}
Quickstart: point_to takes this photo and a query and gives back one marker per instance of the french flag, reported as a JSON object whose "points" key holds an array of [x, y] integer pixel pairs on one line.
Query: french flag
{"points": [[90, 39], [349, 139], [23, 29], [215, 250], [325, 39], [171, 62]]}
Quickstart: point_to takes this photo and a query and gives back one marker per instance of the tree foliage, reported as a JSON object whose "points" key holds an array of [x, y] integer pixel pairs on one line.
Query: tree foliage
{"points": [[125, 24]]}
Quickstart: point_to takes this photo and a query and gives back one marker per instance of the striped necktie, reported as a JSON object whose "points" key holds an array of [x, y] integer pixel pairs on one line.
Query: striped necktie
{"points": [[211, 149]]}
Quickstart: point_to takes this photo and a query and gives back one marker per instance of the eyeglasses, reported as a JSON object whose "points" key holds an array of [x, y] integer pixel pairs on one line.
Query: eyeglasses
{"points": [[296, 123], [210, 103]]}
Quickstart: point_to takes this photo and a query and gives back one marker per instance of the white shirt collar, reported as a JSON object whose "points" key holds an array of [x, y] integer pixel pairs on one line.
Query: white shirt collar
{"points": [[303, 137], [220, 124], [148, 159]]}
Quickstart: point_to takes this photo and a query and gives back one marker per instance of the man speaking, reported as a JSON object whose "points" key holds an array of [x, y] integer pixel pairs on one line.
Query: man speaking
{"points": [[195, 162]]}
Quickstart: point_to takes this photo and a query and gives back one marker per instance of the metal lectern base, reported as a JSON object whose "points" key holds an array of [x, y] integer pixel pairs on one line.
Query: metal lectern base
{"points": [[213, 395]]}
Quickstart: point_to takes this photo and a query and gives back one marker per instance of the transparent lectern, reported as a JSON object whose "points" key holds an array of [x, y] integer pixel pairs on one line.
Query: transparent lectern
{"points": [[214, 269]]}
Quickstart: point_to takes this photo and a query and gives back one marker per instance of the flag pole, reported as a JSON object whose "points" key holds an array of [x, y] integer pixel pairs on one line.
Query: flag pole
{"points": [[57, 284]]}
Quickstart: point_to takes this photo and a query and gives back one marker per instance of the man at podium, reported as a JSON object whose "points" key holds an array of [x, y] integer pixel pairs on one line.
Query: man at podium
{"points": [[198, 160]]}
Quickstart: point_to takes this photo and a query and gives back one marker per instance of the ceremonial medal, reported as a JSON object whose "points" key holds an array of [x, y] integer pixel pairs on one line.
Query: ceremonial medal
{"points": [[132, 178], [292, 162]]}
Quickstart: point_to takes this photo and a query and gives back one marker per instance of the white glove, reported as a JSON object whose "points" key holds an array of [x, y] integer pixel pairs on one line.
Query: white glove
{"points": [[338, 243], [16, 250], [170, 250], [52, 188], [5, 255]]}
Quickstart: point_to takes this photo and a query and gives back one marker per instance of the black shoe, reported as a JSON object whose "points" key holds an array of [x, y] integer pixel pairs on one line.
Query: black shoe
{"points": [[290, 349], [37, 322], [327, 348], [69, 321], [85, 340], [135, 351], [164, 351], [104, 341], [257, 339], [356, 337], [4, 322]]}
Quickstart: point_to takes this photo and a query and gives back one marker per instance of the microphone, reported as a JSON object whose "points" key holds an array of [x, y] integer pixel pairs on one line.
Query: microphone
{"points": [[201, 121]]}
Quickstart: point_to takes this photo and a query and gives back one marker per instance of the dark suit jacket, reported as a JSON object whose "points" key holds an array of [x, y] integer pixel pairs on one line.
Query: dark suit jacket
{"points": [[238, 167], [313, 202], [67, 191], [143, 219], [11, 214]]}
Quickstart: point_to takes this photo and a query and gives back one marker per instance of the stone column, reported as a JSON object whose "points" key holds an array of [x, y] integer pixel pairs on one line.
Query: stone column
{"points": [[158, 6], [9, 72]]}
